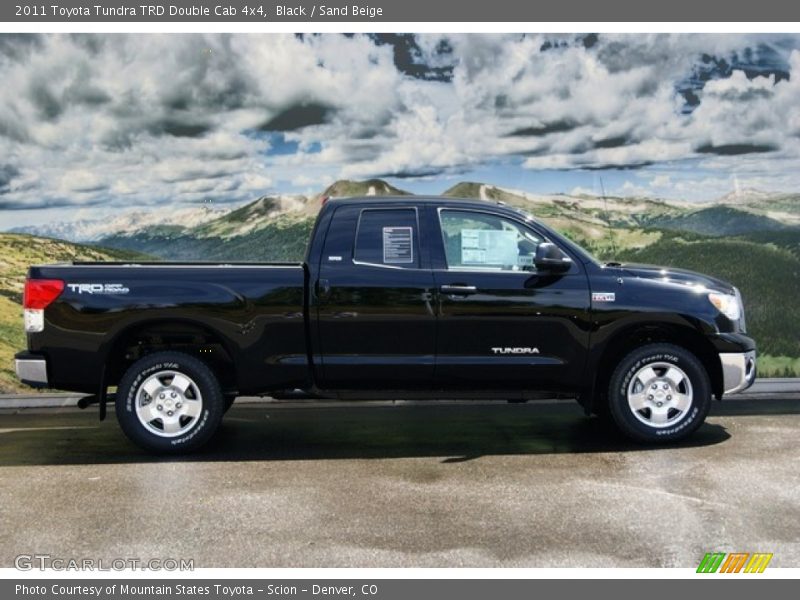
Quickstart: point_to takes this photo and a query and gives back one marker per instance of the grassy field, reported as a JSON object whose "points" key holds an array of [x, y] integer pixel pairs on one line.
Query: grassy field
{"points": [[778, 366], [17, 253]]}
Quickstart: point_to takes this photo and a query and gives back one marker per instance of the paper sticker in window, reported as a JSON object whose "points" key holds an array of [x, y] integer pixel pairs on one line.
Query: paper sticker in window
{"points": [[398, 245], [489, 247], [525, 260]]}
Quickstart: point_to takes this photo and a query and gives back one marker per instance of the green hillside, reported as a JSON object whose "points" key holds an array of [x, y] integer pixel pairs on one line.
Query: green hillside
{"points": [[376, 187], [768, 277], [17, 253], [719, 221], [471, 189], [280, 239], [789, 203], [786, 240], [263, 207]]}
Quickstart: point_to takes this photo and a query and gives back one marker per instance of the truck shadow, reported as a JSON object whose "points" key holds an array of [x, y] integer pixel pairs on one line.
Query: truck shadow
{"points": [[453, 432]]}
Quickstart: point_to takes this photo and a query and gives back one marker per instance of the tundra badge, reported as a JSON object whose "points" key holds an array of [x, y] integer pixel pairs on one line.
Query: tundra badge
{"points": [[604, 297]]}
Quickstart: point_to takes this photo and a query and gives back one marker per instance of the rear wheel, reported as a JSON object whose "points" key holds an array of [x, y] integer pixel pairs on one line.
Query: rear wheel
{"points": [[169, 402], [660, 392]]}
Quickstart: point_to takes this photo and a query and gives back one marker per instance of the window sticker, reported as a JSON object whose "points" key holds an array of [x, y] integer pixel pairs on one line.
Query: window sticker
{"points": [[489, 247], [525, 260], [398, 245]]}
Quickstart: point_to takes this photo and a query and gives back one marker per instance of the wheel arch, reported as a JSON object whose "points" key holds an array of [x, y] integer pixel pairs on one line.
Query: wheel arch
{"points": [[190, 336], [630, 337]]}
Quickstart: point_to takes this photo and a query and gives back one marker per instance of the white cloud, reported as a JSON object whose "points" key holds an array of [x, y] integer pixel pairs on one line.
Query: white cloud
{"points": [[82, 180], [145, 119], [582, 191], [631, 189]]}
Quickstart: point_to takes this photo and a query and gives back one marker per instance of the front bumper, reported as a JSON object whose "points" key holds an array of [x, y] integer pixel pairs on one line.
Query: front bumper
{"points": [[738, 370], [31, 369]]}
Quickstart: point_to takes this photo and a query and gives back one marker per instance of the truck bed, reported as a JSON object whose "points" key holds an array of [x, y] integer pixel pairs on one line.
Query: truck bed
{"points": [[255, 311]]}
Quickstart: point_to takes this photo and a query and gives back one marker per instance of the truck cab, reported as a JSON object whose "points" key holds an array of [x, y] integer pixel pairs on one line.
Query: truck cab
{"points": [[449, 296]]}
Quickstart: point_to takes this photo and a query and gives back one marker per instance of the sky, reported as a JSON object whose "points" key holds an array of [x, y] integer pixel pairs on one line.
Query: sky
{"points": [[93, 124]]}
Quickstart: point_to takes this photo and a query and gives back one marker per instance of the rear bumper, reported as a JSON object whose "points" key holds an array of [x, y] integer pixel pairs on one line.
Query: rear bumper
{"points": [[738, 370], [31, 369]]}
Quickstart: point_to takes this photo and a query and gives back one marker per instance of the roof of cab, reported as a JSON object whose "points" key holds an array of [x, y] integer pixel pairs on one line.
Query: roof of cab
{"points": [[413, 199]]}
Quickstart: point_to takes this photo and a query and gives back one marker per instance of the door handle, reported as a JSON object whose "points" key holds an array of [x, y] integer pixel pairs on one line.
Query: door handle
{"points": [[458, 290], [323, 287]]}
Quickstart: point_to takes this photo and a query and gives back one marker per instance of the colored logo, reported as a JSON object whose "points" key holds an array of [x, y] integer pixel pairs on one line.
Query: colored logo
{"points": [[735, 562]]}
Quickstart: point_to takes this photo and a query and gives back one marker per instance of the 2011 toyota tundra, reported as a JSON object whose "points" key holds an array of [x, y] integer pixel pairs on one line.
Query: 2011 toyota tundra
{"points": [[398, 297]]}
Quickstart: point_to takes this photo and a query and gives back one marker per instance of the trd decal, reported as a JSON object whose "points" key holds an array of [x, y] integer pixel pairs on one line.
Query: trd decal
{"points": [[98, 288]]}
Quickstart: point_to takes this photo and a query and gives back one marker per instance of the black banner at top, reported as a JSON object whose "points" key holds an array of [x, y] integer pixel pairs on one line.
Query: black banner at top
{"points": [[260, 11]]}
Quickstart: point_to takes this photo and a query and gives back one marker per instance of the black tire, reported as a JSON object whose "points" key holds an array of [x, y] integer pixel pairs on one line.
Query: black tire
{"points": [[193, 431], [668, 413]]}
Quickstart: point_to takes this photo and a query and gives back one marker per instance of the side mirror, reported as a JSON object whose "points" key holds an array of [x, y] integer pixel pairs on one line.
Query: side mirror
{"points": [[550, 258]]}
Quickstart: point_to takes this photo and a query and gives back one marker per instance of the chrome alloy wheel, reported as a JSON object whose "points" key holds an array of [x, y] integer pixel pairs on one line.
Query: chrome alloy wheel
{"points": [[660, 394], [168, 403]]}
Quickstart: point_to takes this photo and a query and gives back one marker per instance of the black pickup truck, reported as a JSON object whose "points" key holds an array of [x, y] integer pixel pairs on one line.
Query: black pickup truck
{"points": [[406, 297]]}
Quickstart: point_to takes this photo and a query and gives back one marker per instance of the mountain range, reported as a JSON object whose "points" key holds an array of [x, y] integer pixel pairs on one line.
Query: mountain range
{"points": [[249, 232], [750, 238]]}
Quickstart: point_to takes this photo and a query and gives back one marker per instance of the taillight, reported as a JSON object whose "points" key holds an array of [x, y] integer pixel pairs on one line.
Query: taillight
{"points": [[38, 295]]}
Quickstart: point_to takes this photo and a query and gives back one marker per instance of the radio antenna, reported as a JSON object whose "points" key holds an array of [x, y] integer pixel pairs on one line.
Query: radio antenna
{"points": [[608, 219]]}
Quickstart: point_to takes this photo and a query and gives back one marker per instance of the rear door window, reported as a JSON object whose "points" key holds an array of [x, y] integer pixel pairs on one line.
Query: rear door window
{"points": [[388, 238]]}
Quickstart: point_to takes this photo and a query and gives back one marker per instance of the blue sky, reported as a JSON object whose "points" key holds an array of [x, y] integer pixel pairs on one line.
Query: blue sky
{"points": [[97, 124]]}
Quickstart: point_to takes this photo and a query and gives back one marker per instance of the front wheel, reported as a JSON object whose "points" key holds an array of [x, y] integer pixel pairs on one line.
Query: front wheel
{"points": [[169, 403], [659, 393]]}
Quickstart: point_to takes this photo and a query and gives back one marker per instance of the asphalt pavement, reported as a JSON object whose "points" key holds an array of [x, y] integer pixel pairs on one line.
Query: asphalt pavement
{"points": [[408, 484]]}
